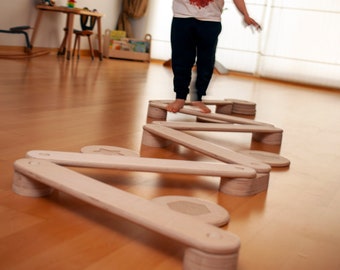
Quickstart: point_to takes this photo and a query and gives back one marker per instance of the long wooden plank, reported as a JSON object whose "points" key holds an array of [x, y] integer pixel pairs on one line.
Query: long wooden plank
{"points": [[180, 227], [223, 127], [206, 102], [143, 164], [215, 151], [216, 116]]}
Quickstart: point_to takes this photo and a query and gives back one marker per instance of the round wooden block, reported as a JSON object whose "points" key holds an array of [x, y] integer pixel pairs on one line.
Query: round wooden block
{"points": [[224, 109], [109, 150], [152, 140], [26, 186], [241, 102], [198, 260], [269, 138], [157, 113], [271, 159], [244, 186], [204, 210]]}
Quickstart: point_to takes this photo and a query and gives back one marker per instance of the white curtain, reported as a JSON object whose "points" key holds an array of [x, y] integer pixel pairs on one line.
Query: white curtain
{"points": [[300, 40]]}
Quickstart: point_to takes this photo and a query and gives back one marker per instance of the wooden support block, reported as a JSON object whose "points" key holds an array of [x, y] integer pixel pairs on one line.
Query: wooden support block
{"points": [[198, 260], [157, 113], [244, 186], [271, 138], [149, 139], [209, 241], [27, 186], [215, 151], [224, 109], [243, 107], [130, 163]]}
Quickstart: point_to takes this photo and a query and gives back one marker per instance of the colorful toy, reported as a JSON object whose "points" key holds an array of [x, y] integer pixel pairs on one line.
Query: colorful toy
{"points": [[71, 3]]}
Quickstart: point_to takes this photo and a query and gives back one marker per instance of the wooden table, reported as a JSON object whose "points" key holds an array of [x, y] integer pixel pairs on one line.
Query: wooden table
{"points": [[69, 24]]}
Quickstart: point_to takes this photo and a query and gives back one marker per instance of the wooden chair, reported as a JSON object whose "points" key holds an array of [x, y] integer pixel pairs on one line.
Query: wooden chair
{"points": [[87, 23]]}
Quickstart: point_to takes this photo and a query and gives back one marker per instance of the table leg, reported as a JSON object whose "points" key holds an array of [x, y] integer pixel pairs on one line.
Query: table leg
{"points": [[69, 35], [36, 26], [99, 30], [62, 47]]}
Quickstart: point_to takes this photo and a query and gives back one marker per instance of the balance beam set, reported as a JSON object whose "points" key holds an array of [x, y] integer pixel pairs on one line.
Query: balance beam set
{"points": [[157, 111], [241, 174], [208, 247], [161, 133]]}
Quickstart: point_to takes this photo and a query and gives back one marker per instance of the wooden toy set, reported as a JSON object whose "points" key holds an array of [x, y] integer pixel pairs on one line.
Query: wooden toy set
{"points": [[191, 221], [160, 133]]}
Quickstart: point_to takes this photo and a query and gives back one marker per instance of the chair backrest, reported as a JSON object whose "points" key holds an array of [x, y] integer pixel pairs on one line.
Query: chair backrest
{"points": [[87, 22]]}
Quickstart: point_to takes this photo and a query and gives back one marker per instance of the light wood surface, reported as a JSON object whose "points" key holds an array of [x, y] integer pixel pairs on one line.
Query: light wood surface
{"points": [[109, 150], [203, 210], [141, 164], [203, 236], [59, 105], [223, 127]]}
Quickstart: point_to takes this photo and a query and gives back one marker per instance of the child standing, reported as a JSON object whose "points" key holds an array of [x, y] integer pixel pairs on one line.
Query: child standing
{"points": [[195, 28]]}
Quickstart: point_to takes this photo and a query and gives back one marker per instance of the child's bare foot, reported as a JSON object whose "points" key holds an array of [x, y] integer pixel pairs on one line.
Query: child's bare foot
{"points": [[201, 106], [175, 106]]}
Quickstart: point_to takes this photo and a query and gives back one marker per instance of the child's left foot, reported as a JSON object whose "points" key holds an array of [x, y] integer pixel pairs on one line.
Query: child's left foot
{"points": [[201, 106]]}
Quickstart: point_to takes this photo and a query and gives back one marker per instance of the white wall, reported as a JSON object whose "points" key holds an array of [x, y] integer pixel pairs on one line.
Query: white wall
{"points": [[23, 12]]}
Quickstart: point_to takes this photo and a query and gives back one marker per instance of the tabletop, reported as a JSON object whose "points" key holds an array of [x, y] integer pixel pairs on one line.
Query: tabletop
{"points": [[66, 9]]}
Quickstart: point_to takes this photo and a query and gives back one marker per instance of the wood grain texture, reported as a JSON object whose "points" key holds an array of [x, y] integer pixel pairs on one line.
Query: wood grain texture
{"points": [[177, 226]]}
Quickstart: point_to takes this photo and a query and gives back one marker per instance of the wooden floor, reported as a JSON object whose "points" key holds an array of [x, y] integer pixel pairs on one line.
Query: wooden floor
{"points": [[48, 103]]}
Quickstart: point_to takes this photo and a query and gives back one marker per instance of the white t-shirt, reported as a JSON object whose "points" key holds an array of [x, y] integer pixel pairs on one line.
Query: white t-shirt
{"points": [[204, 10]]}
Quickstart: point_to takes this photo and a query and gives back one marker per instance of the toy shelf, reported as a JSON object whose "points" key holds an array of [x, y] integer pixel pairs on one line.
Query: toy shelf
{"points": [[127, 48]]}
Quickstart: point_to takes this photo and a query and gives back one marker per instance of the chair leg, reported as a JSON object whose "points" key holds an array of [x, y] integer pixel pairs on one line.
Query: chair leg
{"points": [[91, 48], [78, 46], [28, 43], [74, 45]]}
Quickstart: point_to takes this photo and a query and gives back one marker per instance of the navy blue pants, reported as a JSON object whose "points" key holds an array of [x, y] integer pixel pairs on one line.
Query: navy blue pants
{"points": [[193, 40]]}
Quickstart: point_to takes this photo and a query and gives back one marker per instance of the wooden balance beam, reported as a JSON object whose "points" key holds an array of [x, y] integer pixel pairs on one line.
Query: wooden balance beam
{"points": [[226, 106], [130, 163], [208, 247], [157, 110], [159, 136], [266, 134], [223, 127]]}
